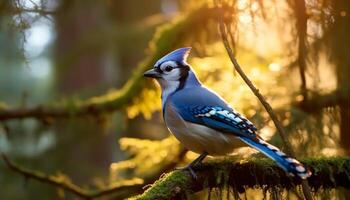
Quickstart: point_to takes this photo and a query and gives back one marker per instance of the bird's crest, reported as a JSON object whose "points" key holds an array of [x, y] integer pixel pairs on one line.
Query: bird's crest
{"points": [[179, 55]]}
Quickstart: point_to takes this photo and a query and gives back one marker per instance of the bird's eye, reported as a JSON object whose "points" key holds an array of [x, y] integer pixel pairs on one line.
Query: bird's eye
{"points": [[168, 68]]}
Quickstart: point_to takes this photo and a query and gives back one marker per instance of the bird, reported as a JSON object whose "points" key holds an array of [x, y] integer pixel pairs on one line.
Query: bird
{"points": [[203, 121]]}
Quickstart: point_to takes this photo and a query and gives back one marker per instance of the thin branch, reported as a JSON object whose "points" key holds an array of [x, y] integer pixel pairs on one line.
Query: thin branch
{"points": [[17, 7], [34, 10], [253, 88], [260, 172], [129, 186], [268, 108]]}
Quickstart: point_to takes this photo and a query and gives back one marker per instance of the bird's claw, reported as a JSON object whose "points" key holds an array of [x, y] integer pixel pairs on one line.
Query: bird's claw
{"points": [[190, 170]]}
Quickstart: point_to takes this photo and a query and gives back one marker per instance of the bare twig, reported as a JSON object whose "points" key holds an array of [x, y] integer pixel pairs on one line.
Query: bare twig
{"points": [[129, 186], [268, 108]]}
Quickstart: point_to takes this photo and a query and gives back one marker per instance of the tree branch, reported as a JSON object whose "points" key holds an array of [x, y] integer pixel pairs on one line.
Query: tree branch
{"points": [[268, 108], [128, 186], [121, 190], [264, 173], [317, 102], [164, 40]]}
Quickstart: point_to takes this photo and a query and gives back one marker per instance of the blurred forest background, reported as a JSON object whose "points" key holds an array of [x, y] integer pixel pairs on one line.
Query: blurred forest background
{"points": [[74, 104]]}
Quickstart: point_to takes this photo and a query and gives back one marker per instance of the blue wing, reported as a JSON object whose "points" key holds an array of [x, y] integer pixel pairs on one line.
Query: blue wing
{"points": [[204, 107], [218, 118]]}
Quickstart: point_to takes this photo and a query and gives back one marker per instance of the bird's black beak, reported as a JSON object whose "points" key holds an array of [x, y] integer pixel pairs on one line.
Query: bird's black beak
{"points": [[152, 74]]}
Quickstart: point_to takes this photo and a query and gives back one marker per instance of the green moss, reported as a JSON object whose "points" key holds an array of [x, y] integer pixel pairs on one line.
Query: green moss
{"points": [[173, 182], [336, 164]]}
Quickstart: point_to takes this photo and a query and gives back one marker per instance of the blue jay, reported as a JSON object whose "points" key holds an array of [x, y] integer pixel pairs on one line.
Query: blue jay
{"points": [[202, 121]]}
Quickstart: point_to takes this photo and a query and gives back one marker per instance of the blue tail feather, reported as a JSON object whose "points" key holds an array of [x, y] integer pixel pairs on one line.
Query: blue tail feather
{"points": [[288, 164]]}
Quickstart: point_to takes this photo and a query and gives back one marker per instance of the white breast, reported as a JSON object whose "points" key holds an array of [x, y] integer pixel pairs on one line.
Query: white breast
{"points": [[199, 138], [168, 87]]}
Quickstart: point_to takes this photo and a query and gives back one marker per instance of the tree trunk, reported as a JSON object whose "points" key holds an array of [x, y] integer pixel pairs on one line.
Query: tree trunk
{"points": [[81, 52], [339, 48]]}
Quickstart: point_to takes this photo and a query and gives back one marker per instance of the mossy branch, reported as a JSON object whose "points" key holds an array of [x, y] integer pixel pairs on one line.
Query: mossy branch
{"points": [[165, 39], [326, 173]]}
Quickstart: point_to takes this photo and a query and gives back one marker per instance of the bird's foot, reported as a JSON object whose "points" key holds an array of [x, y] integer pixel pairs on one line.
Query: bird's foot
{"points": [[193, 163], [189, 169]]}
